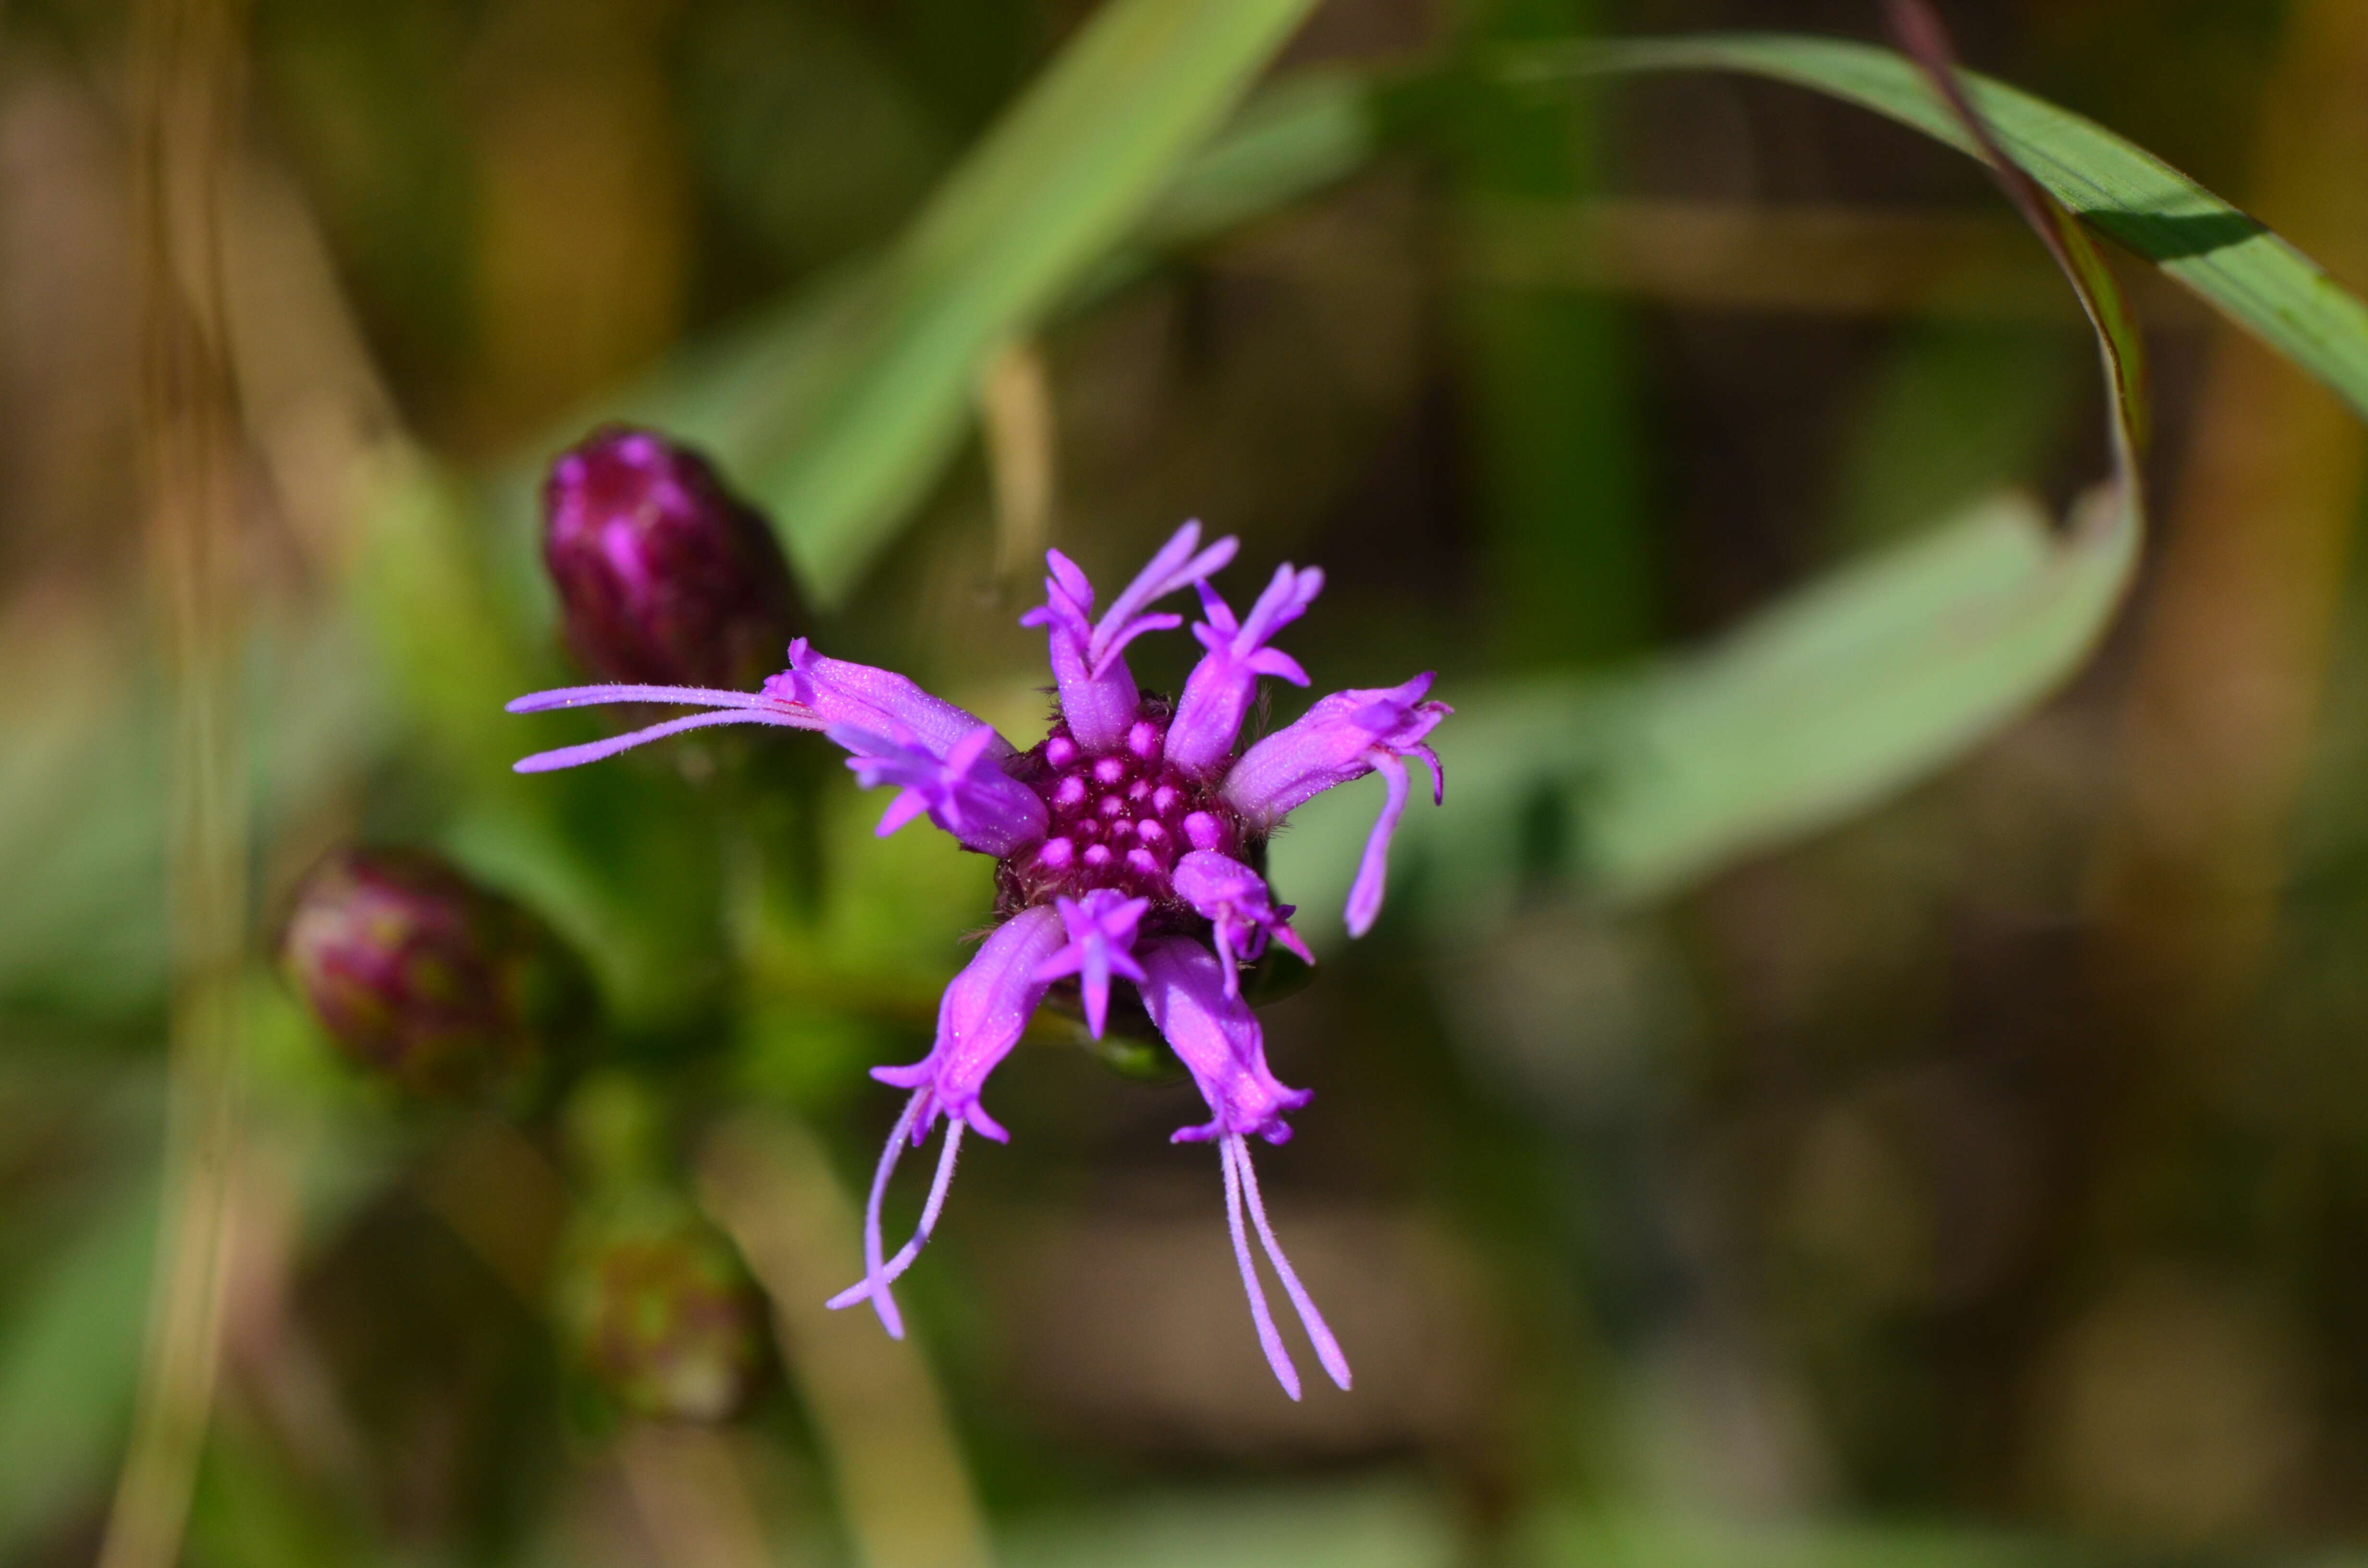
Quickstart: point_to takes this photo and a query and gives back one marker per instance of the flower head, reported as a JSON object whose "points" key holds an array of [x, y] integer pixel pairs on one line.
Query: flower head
{"points": [[663, 576], [1127, 843]]}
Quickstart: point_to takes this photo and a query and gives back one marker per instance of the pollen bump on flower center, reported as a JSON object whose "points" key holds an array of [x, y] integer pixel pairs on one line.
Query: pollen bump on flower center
{"points": [[1119, 819]]}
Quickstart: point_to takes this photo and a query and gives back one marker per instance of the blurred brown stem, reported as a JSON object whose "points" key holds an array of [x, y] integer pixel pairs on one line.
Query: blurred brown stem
{"points": [[186, 94], [2233, 654], [693, 1500], [1015, 400]]}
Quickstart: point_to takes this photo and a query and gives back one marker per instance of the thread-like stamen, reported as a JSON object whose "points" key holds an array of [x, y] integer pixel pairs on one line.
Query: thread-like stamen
{"points": [[1327, 1350], [911, 1250], [884, 1301], [1269, 1336], [593, 751]]}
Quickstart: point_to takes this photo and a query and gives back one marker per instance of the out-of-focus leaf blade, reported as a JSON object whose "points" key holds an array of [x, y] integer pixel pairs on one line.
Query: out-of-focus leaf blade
{"points": [[2228, 257], [1291, 138], [1295, 135], [82, 811], [1635, 784], [1317, 1527], [1846, 692], [1619, 1540], [863, 392], [1954, 414], [69, 1357]]}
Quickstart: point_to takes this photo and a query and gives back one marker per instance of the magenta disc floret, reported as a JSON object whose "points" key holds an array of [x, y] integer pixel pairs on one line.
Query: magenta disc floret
{"points": [[1120, 818]]}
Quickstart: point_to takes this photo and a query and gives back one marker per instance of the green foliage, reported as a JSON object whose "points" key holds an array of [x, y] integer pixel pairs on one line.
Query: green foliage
{"points": [[69, 1357], [1639, 783], [753, 938], [1634, 785], [2230, 259], [1956, 413], [839, 435], [1571, 562]]}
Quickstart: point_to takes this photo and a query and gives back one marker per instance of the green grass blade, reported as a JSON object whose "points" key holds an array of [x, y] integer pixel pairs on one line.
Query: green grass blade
{"points": [[69, 1359], [1632, 786], [2231, 260], [750, 397], [839, 450], [1294, 136]]}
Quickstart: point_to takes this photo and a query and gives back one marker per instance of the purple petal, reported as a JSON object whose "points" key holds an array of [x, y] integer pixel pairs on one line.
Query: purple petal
{"points": [[876, 1281], [1071, 579], [879, 701], [813, 694], [1099, 698], [1281, 666], [1373, 869], [884, 1301], [1129, 631], [1174, 569], [984, 1014], [962, 791], [909, 804], [1344, 737], [1239, 907], [1097, 708], [1219, 691], [595, 695], [1218, 1039], [1332, 744], [1101, 930]]}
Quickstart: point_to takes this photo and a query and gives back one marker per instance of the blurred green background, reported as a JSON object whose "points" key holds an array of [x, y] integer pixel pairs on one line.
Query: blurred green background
{"points": [[1870, 1064]]}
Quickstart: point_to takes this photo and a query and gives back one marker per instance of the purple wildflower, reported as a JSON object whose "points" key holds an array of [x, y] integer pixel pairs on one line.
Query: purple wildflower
{"points": [[1127, 843]]}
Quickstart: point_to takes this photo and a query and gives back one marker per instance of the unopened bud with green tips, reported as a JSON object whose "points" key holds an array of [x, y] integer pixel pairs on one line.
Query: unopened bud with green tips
{"points": [[657, 1313], [421, 975]]}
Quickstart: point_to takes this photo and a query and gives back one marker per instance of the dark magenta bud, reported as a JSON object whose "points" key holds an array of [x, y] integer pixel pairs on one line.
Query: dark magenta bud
{"points": [[664, 577], [657, 1312], [423, 976]]}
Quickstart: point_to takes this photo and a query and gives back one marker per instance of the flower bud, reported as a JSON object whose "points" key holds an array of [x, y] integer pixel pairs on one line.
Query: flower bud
{"points": [[655, 1309], [663, 576], [422, 975]]}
